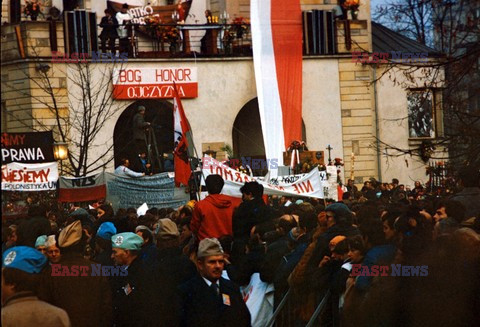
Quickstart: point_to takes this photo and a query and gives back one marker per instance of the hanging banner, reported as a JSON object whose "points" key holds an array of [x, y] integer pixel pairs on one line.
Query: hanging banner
{"points": [[29, 177], [306, 185], [154, 83], [34, 147], [156, 191], [81, 189], [277, 57]]}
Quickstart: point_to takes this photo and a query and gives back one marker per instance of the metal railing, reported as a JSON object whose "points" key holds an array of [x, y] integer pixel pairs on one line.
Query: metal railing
{"points": [[284, 314]]}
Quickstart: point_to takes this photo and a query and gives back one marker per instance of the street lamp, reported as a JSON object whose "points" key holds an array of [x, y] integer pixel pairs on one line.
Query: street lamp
{"points": [[60, 152]]}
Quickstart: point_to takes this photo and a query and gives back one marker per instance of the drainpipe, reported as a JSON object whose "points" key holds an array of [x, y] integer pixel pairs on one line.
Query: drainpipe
{"points": [[379, 159]]}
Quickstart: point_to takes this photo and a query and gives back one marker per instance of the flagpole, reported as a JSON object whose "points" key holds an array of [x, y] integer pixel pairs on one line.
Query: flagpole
{"points": [[194, 149]]}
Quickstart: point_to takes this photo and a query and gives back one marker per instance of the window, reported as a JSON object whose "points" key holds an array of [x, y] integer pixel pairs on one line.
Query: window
{"points": [[425, 119]]}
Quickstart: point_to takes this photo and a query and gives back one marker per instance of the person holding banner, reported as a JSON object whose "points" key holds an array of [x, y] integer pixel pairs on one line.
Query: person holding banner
{"points": [[124, 171]]}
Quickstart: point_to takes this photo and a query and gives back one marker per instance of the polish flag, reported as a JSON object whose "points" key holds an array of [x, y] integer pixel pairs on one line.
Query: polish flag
{"points": [[180, 152], [277, 57]]}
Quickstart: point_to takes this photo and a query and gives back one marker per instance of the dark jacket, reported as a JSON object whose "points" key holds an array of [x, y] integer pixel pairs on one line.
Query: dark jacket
{"points": [[201, 307], [109, 27], [321, 248], [139, 125], [470, 198], [273, 258], [86, 299], [142, 298]]}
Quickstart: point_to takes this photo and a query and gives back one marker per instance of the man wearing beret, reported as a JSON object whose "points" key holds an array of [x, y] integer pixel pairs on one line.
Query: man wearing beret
{"points": [[140, 298], [21, 307], [72, 285], [208, 299]]}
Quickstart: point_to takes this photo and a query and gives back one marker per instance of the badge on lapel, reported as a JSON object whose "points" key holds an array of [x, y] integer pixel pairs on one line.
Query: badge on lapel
{"points": [[226, 299]]}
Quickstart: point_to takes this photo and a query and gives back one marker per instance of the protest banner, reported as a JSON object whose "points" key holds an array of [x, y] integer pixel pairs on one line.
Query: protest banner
{"points": [[81, 189], [156, 191], [34, 147], [29, 177], [305, 185]]}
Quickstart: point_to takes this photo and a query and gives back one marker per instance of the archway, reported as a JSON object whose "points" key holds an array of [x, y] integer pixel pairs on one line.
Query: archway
{"points": [[158, 113], [247, 134]]}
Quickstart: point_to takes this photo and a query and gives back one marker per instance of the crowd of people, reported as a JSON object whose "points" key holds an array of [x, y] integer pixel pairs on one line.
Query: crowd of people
{"points": [[381, 256]]}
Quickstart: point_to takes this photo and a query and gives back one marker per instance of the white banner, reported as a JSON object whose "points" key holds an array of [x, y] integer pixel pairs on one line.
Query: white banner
{"points": [[306, 185], [29, 177]]}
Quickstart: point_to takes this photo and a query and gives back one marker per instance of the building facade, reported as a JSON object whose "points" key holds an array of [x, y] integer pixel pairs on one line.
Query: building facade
{"points": [[348, 105]]}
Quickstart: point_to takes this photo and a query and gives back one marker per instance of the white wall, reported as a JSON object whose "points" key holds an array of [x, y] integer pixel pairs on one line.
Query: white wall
{"points": [[225, 86], [393, 129]]}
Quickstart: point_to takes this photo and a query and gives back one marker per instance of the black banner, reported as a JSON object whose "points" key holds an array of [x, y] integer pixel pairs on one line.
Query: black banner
{"points": [[34, 147]]}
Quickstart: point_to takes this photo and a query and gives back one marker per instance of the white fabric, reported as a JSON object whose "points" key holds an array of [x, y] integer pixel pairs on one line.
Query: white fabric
{"points": [[142, 210], [258, 297], [308, 185], [266, 80], [126, 172], [121, 18]]}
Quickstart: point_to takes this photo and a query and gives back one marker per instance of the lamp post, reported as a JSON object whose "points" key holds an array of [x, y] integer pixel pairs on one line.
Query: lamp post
{"points": [[60, 152]]}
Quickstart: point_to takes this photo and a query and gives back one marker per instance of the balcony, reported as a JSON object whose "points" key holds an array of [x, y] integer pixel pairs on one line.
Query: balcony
{"points": [[43, 39]]}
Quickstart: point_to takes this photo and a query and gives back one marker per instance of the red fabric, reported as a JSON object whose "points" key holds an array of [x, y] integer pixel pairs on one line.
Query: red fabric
{"points": [[180, 154], [286, 19], [339, 192], [212, 216], [82, 194]]}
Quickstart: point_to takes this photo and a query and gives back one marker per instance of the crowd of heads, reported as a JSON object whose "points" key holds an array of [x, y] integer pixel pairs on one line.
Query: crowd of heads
{"points": [[293, 243]]}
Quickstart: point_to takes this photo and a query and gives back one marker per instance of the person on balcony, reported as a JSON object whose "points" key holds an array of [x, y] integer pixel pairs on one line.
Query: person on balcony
{"points": [[109, 32], [124, 18], [206, 41]]}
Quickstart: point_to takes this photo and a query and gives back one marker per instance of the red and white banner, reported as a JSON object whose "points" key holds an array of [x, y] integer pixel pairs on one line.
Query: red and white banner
{"points": [[154, 83], [307, 185], [29, 177], [180, 151], [277, 56], [81, 189]]}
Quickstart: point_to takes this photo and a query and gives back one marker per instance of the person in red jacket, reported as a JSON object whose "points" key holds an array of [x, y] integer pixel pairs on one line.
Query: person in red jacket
{"points": [[212, 216]]}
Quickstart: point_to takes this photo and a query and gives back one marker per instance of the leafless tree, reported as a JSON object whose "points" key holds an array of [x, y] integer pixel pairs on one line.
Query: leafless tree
{"points": [[452, 28], [90, 106]]}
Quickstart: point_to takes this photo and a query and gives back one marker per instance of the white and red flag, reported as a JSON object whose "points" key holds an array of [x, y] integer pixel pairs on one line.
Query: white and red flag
{"points": [[277, 56], [181, 128]]}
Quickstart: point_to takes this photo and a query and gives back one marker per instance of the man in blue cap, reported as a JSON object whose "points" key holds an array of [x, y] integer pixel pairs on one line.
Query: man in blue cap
{"points": [[21, 307], [142, 298], [103, 244]]}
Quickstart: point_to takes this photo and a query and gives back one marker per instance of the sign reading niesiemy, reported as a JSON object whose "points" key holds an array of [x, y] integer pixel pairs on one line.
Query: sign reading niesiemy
{"points": [[29, 177], [154, 83]]}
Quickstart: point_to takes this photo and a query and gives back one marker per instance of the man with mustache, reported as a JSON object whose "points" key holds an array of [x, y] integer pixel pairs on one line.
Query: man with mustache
{"points": [[208, 299]]}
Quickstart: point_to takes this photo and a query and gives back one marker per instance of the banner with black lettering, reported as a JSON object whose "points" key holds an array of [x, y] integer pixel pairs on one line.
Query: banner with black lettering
{"points": [[29, 177], [156, 191], [305, 185], [34, 147], [81, 189]]}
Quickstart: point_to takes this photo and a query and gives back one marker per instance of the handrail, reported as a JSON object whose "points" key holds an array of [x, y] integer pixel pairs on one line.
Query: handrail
{"points": [[279, 308], [319, 309]]}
